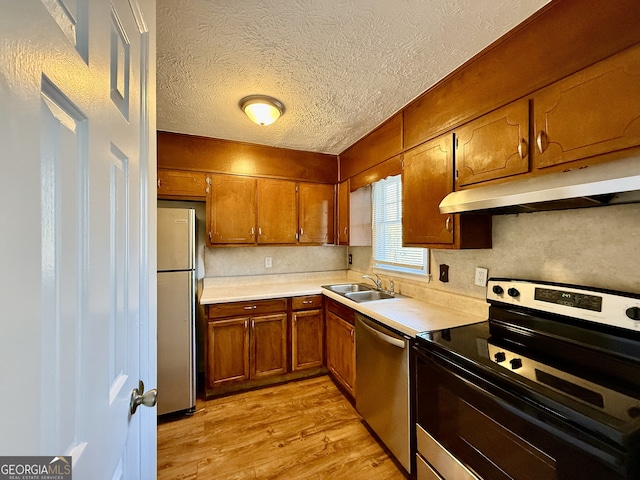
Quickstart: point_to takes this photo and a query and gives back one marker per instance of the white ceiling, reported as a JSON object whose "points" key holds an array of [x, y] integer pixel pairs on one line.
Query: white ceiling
{"points": [[341, 67]]}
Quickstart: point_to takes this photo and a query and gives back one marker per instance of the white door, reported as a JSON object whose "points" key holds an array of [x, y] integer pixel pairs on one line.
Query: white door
{"points": [[77, 238]]}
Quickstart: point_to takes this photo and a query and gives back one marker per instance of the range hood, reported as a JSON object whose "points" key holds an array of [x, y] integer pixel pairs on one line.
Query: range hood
{"points": [[603, 184]]}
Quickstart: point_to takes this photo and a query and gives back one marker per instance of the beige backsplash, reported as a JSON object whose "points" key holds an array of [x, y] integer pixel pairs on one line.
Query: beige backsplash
{"points": [[594, 247]]}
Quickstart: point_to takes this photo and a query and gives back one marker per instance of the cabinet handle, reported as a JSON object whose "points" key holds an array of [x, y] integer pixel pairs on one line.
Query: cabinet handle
{"points": [[210, 237], [447, 223], [307, 301], [542, 141], [259, 231], [249, 307], [207, 180], [522, 148], [159, 183], [345, 230], [301, 231], [253, 231]]}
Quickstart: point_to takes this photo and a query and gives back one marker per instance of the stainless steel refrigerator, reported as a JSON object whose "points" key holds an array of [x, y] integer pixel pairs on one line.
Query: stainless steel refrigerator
{"points": [[176, 310]]}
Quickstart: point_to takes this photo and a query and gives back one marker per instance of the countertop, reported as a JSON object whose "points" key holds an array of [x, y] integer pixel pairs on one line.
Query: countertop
{"points": [[404, 314]]}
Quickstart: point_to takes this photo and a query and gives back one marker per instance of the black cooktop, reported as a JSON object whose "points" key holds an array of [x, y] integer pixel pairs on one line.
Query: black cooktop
{"points": [[585, 371]]}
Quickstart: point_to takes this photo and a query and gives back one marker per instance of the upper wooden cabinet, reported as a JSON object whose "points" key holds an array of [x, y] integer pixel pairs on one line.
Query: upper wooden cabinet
{"points": [[316, 213], [250, 211], [592, 112], [232, 210], [343, 213], [183, 185], [277, 212], [427, 177], [493, 146]]}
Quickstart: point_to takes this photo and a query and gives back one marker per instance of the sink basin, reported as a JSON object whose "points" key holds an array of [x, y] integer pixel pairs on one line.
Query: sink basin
{"points": [[349, 287], [367, 296]]}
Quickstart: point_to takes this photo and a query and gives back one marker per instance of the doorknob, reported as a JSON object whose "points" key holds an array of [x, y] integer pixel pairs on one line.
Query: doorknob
{"points": [[140, 397]]}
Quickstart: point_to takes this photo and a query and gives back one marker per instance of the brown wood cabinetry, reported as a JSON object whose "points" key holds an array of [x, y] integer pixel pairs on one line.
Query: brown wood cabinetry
{"points": [[277, 211], [343, 213], [493, 146], [250, 211], [245, 341], [316, 213], [232, 210], [592, 112], [307, 329], [341, 345], [427, 177], [182, 185]]}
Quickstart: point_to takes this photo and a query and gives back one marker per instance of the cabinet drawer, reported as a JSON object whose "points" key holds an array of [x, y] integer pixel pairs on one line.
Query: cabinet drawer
{"points": [[249, 308], [306, 302], [342, 311]]}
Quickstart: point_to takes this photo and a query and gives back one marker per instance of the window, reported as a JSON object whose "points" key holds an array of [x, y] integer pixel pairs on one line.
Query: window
{"points": [[388, 252]]}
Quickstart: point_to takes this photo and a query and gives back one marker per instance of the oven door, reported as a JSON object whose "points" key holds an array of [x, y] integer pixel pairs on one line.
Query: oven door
{"points": [[499, 435]]}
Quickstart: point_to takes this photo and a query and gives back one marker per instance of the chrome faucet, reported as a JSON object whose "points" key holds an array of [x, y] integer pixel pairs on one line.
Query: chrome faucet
{"points": [[376, 280]]}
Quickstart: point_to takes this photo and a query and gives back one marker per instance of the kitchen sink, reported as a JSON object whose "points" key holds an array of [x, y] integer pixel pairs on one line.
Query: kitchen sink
{"points": [[367, 296], [348, 287]]}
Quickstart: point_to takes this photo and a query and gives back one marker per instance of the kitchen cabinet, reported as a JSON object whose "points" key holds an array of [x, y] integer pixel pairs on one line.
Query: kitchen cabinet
{"points": [[589, 113], [277, 209], [307, 329], [183, 185], [316, 213], [245, 341], [232, 210], [427, 177], [343, 213], [493, 146], [340, 344], [249, 211]]}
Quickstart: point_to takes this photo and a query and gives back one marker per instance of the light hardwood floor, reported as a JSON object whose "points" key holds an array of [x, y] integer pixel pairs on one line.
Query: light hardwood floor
{"points": [[301, 430]]}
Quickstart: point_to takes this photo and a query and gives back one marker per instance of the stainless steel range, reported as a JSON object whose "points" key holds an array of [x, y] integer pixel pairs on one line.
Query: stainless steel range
{"points": [[548, 387]]}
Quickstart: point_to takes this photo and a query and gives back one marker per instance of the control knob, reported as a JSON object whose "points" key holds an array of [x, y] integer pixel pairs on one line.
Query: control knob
{"points": [[516, 363], [498, 290], [500, 357], [513, 292], [633, 313]]}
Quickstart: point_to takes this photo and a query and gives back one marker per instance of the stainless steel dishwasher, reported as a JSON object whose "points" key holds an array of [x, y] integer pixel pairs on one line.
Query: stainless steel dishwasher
{"points": [[382, 393]]}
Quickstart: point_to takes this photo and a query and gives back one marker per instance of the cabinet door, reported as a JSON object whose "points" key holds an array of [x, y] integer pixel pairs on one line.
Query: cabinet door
{"points": [[343, 213], [268, 345], [493, 146], [232, 213], [277, 211], [427, 177], [227, 351], [341, 351], [592, 112], [181, 184], [306, 339], [316, 213]]}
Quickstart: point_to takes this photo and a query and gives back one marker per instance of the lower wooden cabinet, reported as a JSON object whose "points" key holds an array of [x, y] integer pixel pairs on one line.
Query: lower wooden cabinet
{"points": [[306, 339], [341, 345], [248, 347]]}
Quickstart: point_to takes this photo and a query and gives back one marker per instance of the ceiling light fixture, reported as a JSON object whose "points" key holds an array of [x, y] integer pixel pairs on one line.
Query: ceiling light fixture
{"points": [[262, 109]]}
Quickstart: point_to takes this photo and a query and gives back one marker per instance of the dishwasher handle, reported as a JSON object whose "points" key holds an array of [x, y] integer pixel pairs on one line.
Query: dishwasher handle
{"points": [[396, 342]]}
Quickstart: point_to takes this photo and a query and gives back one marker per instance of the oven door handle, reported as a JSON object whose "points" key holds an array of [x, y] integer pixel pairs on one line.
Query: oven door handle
{"points": [[396, 342]]}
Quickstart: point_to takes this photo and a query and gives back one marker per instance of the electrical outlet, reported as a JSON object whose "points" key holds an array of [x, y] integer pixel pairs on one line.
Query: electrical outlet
{"points": [[350, 259], [481, 277], [268, 262]]}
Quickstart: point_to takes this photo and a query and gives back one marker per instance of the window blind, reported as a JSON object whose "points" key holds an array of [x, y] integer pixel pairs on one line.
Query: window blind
{"points": [[388, 251]]}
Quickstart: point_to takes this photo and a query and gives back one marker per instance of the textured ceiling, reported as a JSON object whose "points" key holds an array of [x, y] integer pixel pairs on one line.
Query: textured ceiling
{"points": [[341, 67]]}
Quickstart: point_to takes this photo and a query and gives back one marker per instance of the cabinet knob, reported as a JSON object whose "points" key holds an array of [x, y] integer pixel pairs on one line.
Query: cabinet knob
{"points": [[522, 148], [542, 141]]}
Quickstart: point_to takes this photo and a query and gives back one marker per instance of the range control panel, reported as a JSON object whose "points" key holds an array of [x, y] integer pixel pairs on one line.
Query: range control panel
{"points": [[611, 308]]}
